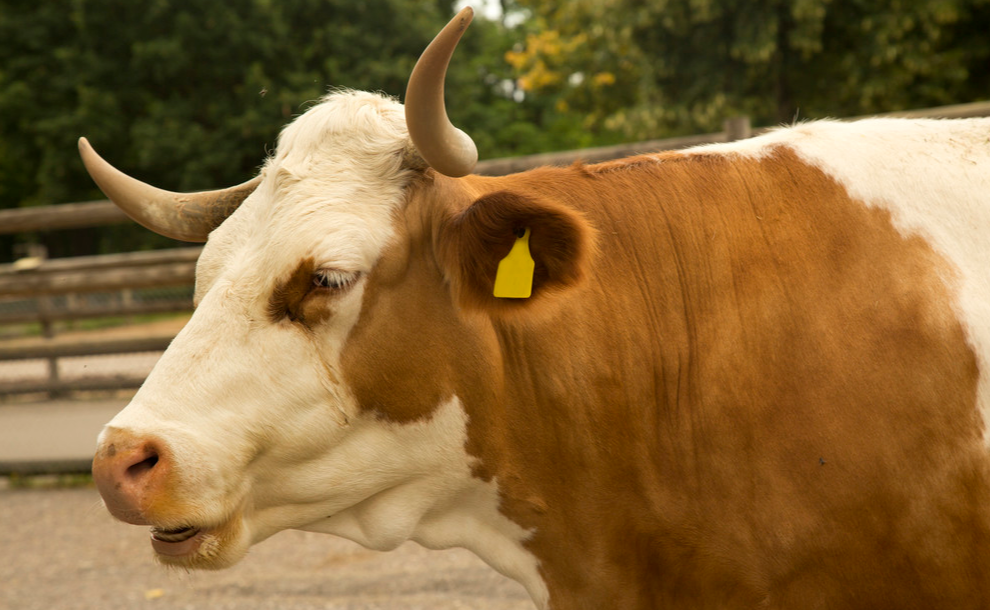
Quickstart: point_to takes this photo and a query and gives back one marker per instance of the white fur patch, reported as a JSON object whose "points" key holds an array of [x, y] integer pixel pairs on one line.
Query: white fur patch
{"points": [[330, 192], [423, 491], [933, 176]]}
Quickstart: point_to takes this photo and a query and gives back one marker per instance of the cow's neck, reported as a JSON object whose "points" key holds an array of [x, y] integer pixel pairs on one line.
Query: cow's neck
{"points": [[699, 367]]}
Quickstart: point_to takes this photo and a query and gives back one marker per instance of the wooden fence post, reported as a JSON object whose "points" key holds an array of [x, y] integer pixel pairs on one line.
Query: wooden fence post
{"points": [[127, 302], [737, 128], [48, 332]]}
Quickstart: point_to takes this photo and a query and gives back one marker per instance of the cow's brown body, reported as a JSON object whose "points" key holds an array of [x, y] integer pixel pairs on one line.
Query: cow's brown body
{"points": [[759, 396]]}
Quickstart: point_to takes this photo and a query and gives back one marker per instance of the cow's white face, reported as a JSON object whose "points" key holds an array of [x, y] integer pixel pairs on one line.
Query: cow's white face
{"points": [[248, 424]]}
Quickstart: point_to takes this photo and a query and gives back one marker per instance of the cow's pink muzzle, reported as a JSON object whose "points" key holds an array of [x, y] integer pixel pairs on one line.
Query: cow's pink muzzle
{"points": [[132, 475]]}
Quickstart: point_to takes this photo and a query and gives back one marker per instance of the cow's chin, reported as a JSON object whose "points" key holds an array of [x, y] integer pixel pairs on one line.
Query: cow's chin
{"points": [[202, 548]]}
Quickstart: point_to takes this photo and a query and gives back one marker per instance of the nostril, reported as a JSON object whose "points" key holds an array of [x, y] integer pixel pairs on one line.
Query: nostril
{"points": [[139, 469]]}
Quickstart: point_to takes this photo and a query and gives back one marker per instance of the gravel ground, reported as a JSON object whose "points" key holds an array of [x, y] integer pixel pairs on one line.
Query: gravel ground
{"points": [[60, 550]]}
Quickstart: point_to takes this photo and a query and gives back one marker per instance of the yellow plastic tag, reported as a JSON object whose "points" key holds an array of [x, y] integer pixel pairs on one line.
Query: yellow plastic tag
{"points": [[514, 278]]}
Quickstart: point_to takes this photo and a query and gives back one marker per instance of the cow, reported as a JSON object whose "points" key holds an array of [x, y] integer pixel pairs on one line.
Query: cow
{"points": [[746, 375]]}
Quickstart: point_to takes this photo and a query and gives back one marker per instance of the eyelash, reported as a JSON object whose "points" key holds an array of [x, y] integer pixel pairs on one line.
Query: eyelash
{"points": [[334, 279]]}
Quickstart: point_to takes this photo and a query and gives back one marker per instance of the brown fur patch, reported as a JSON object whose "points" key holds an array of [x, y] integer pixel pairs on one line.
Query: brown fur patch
{"points": [[411, 349], [761, 377], [294, 298]]}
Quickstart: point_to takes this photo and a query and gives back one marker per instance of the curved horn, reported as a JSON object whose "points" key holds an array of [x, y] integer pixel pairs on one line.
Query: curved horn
{"points": [[182, 216], [446, 148]]}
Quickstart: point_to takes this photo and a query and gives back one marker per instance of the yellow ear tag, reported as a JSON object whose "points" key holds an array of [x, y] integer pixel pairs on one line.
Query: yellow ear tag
{"points": [[514, 278]]}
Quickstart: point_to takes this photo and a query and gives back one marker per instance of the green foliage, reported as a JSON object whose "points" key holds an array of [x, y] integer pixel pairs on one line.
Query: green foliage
{"points": [[682, 66], [482, 99], [191, 95], [185, 94]]}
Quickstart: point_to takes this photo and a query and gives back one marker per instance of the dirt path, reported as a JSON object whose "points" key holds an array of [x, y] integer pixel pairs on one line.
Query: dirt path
{"points": [[60, 550]]}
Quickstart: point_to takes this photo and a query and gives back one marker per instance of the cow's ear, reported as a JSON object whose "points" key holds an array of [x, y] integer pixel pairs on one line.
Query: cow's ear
{"points": [[472, 243]]}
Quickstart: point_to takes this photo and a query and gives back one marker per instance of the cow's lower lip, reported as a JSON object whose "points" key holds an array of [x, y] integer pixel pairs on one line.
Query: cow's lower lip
{"points": [[176, 543], [221, 543]]}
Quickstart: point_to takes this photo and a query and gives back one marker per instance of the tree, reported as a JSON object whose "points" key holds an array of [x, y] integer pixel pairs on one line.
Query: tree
{"points": [[682, 66], [484, 98], [191, 95], [185, 94]]}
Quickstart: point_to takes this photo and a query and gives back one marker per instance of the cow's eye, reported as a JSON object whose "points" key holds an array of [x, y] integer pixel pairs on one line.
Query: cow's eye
{"points": [[334, 279]]}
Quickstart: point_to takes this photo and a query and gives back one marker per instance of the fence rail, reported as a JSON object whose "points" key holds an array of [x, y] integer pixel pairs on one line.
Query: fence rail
{"points": [[60, 387], [88, 347], [106, 261], [737, 128], [66, 349], [103, 280], [62, 216], [121, 273], [123, 307], [100, 213], [47, 280]]}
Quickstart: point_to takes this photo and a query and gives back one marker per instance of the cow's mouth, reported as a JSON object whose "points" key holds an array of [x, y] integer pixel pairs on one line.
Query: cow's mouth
{"points": [[201, 546], [177, 535], [176, 542]]}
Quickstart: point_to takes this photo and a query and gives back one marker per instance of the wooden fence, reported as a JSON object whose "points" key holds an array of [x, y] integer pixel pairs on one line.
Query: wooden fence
{"points": [[45, 280], [52, 351]]}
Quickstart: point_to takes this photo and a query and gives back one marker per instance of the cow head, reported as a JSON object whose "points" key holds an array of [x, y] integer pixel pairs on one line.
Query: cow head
{"points": [[343, 343]]}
